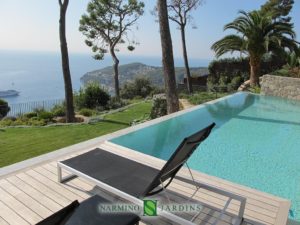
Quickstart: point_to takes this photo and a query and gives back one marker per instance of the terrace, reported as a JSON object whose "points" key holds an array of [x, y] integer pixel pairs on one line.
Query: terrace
{"points": [[30, 192]]}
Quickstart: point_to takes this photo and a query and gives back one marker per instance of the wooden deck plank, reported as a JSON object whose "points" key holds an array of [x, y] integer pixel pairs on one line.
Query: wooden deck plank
{"points": [[80, 183], [248, 214], [65, 194], [51, 199], [3, 222], [253, 204], [19, 207], [213, 197], [28, 198], [33, 199], [10, 216], [76, 189]]}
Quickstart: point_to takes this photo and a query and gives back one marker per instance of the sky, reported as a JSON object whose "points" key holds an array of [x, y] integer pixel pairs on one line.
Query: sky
{"points": [[32, 25]]}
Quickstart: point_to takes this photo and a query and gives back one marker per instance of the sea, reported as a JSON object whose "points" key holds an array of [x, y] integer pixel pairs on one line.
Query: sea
{"points": [[38, 75]]}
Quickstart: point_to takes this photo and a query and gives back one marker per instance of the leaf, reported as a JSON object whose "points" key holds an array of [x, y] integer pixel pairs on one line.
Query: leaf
{"points": [[130, 48]]}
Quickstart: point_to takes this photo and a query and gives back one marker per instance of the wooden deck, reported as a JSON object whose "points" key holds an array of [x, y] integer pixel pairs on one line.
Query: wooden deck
{"points": [[29, 195]]}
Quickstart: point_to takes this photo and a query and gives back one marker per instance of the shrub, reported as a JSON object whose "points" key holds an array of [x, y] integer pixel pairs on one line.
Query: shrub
{"points": [[157, 90], [91, 96], [4, 108], [44, 115], [235, 83], [6, 122], [39, 110], [202, 97], [128, 90], [13, 118], [86, 112], [28, 119], [292, 68], [115, 103], [159, 108], [59, 110], [63, 120], [139, 87], [223, 71], [30, 115], [34, 121], [255, 89]]}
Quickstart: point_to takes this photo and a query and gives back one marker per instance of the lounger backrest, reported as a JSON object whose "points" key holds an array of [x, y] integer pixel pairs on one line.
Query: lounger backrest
{"points": [[180, 156]]}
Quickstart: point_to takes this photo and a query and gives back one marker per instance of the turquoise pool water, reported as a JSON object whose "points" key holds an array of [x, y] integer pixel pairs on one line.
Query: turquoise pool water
{"points": [[256, 143]]}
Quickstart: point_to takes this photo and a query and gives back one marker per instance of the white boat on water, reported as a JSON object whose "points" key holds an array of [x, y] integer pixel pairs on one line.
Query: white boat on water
{"points": [[8, 93]]}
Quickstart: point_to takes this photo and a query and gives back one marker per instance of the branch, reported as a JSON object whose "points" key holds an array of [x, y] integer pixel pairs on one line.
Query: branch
{"points": [[173, 8], [118, 38], [191, 6], [174, 20]]}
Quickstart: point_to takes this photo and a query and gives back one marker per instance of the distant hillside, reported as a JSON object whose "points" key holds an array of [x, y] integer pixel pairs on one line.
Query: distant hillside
{"points": [[129, 72]]}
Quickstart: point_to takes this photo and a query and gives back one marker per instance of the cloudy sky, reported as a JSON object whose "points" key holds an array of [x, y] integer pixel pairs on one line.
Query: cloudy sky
{"points": [[33, 25]]}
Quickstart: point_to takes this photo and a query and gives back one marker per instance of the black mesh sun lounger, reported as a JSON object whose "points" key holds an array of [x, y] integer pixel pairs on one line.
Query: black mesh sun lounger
{"points": [[121, 173], [127, 178], [87, 213]]}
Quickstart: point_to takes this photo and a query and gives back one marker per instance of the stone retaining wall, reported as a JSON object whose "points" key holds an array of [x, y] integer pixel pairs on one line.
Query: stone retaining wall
{"points": [[285, 87]]}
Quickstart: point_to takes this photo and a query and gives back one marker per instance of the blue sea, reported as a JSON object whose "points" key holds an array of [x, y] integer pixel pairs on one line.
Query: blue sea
{"points": [[38, 75]]}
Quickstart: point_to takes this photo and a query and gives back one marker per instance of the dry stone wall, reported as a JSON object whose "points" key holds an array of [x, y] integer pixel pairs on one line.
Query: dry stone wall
{"points": [[286, 87]]}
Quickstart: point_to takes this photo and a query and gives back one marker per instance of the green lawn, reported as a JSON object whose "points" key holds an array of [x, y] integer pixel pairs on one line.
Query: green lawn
{"points": [[133, 113], [17, 144]]}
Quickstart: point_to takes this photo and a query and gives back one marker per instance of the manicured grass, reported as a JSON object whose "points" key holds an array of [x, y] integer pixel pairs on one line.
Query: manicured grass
{"points": [[18, 144], [202, 97], [137, 112]]}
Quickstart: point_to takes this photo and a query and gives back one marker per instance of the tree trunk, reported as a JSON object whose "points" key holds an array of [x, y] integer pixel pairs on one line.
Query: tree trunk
{"points": [[254, 70], [167, 58], [186, 62], [116, 72], [70, 114]]}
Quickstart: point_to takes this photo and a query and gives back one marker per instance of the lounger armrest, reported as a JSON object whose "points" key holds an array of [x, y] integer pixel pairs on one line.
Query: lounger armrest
{"points": [[239, 198]]}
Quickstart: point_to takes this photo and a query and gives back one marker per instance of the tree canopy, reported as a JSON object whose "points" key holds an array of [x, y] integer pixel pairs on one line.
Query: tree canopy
{"points": [[107, 24], [279, 9], [179, 10]]}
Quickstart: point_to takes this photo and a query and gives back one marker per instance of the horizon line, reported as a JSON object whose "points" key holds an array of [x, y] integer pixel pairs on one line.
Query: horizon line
{"points": [[86, 53]]}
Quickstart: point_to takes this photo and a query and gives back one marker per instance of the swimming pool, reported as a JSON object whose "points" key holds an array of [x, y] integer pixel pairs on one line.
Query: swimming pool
{"points": [[256, 142]]}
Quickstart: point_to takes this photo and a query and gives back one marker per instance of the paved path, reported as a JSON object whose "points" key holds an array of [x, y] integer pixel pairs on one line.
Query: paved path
{"points": [[185, 103]]}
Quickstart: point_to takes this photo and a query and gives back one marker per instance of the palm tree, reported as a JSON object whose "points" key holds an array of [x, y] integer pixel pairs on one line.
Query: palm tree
{"points": [[258, 34]]}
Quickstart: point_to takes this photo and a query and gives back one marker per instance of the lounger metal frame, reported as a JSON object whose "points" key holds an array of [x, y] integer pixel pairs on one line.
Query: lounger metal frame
{"points": [[238, 220]]}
